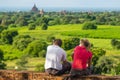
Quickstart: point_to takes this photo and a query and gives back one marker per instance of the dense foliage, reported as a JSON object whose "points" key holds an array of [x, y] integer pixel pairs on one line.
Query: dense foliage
{"points": [[2, 64], [97, 53], [54, 18], [44, 26], [21, 42], [70, 43], [8, 35], [108, 65], [12, 26], [32, 26], [2, 28], [115, 43], [89, 25], [37, 48]]}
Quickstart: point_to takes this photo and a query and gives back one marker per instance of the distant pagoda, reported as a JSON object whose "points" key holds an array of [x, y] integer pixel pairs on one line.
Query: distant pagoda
{"points": [[63, 12], [42, 12], [34, 9]]}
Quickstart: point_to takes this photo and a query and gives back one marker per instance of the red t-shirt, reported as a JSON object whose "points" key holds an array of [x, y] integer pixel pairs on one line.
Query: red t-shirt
{"points": [[80, 57]]}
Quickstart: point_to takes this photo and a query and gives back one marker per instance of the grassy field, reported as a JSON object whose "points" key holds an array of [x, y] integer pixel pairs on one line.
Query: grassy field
{"points": [[104, 31], [99, 38]]}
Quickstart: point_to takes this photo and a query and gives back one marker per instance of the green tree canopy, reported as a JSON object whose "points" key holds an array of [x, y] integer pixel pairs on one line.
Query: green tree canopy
{"points": [[115, 43], [21, 42], [70, 43], [44, 26], [7, 36], [2, 64], [36, 48], [97, 53], [32, 26], [89, 25]]}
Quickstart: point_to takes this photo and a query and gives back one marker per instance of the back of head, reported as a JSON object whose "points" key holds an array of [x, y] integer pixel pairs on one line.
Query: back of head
{"points": [[85, 42], [58, 42]]}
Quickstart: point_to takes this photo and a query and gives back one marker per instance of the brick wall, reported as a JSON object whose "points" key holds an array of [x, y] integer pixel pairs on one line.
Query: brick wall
{"points": [[29, 75]]}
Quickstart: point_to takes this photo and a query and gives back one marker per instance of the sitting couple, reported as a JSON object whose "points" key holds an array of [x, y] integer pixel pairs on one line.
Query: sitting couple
{"points": [[57, 64]]}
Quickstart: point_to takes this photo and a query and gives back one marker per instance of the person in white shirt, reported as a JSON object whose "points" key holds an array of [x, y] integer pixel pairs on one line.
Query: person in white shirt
{"points": [[56, 63]]}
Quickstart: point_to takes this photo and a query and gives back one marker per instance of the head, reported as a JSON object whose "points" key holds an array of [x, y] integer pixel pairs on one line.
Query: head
{"points": [[57, 42], [85, 43]]}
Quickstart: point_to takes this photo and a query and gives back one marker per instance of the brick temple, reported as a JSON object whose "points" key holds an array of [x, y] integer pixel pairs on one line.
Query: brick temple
{"points": [[34, 8]]}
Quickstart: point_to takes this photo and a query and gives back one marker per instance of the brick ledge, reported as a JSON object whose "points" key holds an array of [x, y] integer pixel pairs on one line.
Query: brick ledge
{"points": [[30, 75]]}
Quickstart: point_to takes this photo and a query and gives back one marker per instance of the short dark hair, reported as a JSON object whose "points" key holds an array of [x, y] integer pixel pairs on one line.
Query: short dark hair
{"points": [[58, 42]]}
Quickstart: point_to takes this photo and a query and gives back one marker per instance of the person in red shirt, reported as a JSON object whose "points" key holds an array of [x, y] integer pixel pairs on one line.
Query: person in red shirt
{"points": [[82, 58]]}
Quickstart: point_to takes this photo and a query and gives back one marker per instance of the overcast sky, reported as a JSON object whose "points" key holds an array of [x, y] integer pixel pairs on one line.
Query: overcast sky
{"points": [[61, 3]]}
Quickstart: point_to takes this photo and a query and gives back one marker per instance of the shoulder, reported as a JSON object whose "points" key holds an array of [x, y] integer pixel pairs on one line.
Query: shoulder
{"points": [[62, 50], [77, 47], [50, 46]]}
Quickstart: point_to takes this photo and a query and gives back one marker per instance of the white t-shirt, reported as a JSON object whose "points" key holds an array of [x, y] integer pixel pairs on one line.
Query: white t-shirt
{"points": [[54, 56]]}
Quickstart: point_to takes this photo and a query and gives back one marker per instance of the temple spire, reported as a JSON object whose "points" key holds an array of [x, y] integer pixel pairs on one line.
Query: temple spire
{"points": [[34, 8]]}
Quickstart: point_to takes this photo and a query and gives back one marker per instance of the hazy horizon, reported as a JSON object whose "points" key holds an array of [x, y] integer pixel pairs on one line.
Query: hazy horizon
{"points": [[57, 9]]}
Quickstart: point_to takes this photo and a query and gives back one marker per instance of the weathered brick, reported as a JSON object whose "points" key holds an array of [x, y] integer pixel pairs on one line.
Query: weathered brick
{"points": [[30, 75]]}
